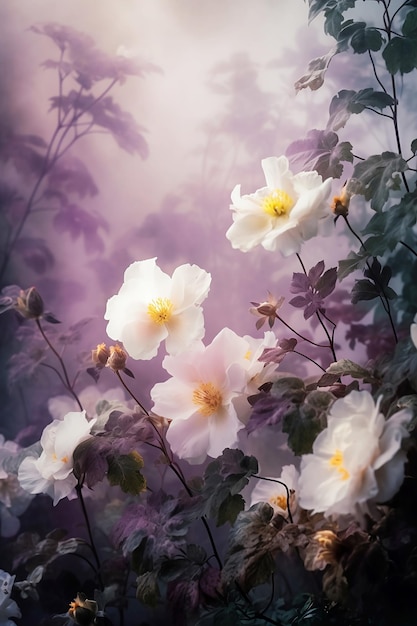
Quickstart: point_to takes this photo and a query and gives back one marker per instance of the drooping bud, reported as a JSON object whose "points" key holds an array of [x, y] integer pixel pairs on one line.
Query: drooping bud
{"points": [[100, 355], [29, 303], [117, 359], [266, 310]]}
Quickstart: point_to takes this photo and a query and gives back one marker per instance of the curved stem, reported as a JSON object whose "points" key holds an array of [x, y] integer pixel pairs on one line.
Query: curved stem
{"points": [[275, 480], [92, 545], [67, 383], [309, 359], [330, 338], [408, 247], [313, 343], [131, 394]]}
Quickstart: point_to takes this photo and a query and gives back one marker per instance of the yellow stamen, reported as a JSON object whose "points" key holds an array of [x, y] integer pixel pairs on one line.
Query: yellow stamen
{"points": [[208, 398], [160, 310], [278, 203], [337, 461], [248, 355], [279, 501], [64, 459]]}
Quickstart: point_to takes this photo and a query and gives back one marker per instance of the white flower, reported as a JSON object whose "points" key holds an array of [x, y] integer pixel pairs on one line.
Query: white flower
{"points": [[289, 210], [275, 493], [413, 331], [206, 396], [8, 607], [356, 460], [13, 499], [98, 404], [152, 306], [51, 473]]}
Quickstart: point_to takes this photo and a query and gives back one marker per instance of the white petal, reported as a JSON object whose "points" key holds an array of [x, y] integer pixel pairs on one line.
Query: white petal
{"points": [[190, 286], [184, 329], [189, 439], [248, 230], [274, 169]]}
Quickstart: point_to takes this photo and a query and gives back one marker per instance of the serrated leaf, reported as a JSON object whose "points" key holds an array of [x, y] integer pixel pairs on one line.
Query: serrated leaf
{"points": [[377, 176], [348, 102], [321, 151], [353, 262], [317, 68], [346, 367], [364, 290], [400, 55], [366, 38], [393, 225], [124, 470]]}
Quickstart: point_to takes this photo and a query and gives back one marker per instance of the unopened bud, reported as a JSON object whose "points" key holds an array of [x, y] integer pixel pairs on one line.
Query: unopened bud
{"points": [[117, 359], [340, 204], [100, 355], [29, 303]]}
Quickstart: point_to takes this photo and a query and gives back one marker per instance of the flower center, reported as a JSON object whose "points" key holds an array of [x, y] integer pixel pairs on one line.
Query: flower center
{"points": [[337, 461], [278, 203], [160, 310], [208, 399], [279, 501]]}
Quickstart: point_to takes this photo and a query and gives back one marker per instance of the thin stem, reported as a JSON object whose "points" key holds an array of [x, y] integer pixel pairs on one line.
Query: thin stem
{"points": [[408, 247], [382, 296], [67, 383], [92, 545], [275, 480], [309, 359], [131, 394], [330, 338], [313, 343]]}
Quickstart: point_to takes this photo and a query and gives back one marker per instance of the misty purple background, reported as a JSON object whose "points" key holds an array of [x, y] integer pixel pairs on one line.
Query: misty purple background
{"points": [[222, 100]]}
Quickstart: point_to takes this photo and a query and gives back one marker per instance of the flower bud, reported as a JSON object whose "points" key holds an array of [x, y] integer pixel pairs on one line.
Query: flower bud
{"points": [[29, 303], [340, 204], [100, 355], [117, 359], [83, 611]]}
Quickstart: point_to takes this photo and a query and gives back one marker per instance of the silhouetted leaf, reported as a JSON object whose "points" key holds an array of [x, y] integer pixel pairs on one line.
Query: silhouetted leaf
{"points": [[393, 225], [366, 38], [35, 253], [353, 262], [321, 151], [333, 13], [364, 290], [347, 102], [400, 55]]}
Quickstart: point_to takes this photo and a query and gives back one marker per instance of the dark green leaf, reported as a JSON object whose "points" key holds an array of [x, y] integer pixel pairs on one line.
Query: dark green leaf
{"points": [[333, 13], [409, 28], [364, 290], [366, 38], [395, 224], [377, 175], [124, 470], [414, 146], [400, 55], [321, 151], [230, 509]]}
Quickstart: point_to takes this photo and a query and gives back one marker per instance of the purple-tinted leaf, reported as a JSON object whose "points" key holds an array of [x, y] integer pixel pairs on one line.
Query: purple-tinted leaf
{"points": [[321, 151], [315, 273], [23, 151], [128, 372], [77, 222], [71, 175], [50, 317], [299, 302], [35, 253], [268, 410], [300, 283], [94, 372], [276, 355], [90, 460], [326, 284], [312, 308]]}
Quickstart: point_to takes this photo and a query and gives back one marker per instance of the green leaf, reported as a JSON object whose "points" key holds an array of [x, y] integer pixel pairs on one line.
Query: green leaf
{"points": [[230, 509], [400, 55], [124, 470], [377, 176], [409, 28], [394, 225], [366, 38], [333, 13], [347, 102], [305, 422], [321, 151], [353, 262], [346, 367]]}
